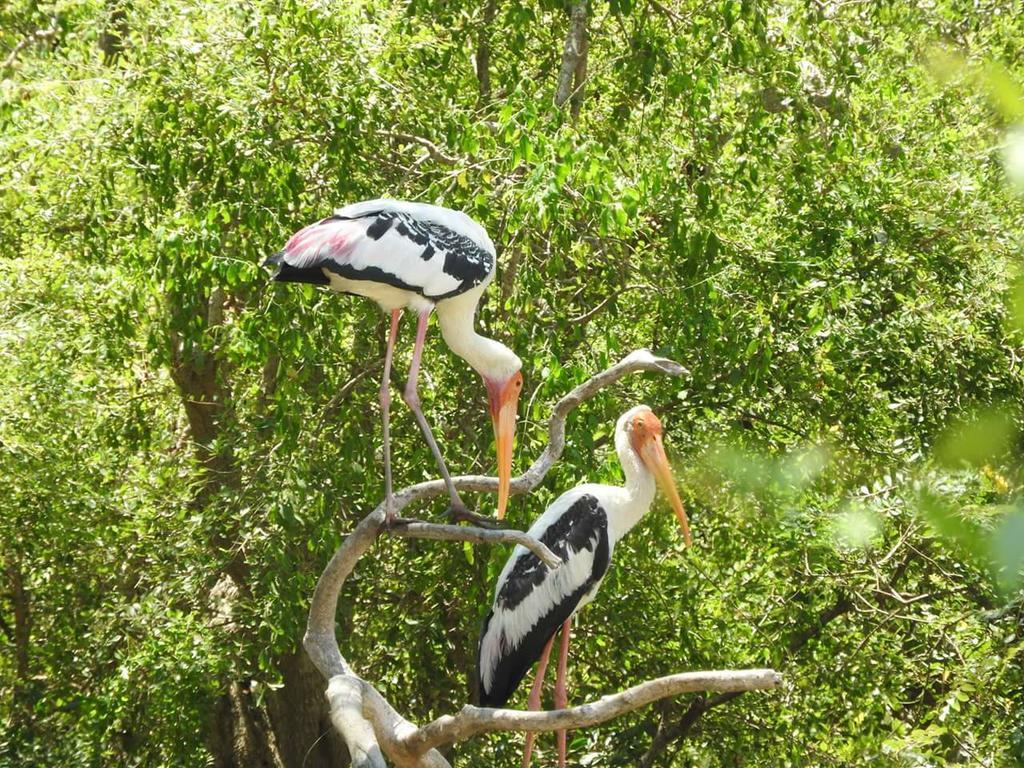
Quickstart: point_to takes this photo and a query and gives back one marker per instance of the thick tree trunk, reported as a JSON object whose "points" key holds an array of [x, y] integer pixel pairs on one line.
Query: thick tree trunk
{"points": [[290, 728], [299, 715], [483, 51], [21, 708], [237, 739]]}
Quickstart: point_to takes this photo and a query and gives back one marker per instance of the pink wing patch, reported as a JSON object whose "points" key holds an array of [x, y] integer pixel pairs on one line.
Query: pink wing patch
{"points": [[331, 239]]}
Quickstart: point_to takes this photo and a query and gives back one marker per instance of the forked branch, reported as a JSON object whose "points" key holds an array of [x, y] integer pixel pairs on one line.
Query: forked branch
{"points": [[369, 724]]}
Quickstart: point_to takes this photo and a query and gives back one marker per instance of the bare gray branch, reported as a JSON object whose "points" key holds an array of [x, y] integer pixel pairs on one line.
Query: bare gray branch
{"points": [[416, 529], [371, 727], [471, 721]]}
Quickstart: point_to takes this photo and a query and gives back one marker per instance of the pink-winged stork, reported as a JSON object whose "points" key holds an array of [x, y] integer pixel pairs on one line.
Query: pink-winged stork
{"points": [[582, 527], [421, 257]]}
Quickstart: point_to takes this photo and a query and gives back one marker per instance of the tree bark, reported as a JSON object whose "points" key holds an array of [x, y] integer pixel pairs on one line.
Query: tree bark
{"points": [[300, 718], [574, 53], [21, 704], [205, 395], [483, 51], [580, 74], [235, 738], [112, 38], [291, 730]]}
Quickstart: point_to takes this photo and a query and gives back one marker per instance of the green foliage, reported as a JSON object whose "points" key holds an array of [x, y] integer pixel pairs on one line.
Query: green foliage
{"points": [[801, 202]]}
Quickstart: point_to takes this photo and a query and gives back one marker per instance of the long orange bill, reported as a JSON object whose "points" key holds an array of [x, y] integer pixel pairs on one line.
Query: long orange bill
{"points": [[653, 454], [504, 439]]}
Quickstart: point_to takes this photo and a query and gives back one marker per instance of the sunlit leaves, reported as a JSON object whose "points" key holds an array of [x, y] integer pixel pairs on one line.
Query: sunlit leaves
{"points": [[776, 194]]}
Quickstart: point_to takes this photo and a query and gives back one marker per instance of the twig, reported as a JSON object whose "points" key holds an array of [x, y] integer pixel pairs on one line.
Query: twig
{"points": [[344, 392], [417, 529], [435, 152], [36, 37], [749, 416], [668, 13], [590, 313]]}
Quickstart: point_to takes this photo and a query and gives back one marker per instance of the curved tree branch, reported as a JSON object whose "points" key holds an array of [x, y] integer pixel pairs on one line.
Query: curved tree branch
{"points": [[473, 720], [369, 724]]}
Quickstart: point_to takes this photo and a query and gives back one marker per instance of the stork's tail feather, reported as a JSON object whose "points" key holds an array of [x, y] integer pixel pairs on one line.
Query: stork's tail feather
{"points": [[286, 273], [492, 701]]}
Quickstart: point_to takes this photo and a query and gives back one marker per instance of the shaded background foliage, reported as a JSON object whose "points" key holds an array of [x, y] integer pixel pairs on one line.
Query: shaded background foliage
{"points": [[782, 196]]}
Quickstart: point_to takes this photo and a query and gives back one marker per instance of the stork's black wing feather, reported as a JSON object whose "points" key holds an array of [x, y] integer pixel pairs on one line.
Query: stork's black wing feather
{"points": [[388, 247], [533, 601]]}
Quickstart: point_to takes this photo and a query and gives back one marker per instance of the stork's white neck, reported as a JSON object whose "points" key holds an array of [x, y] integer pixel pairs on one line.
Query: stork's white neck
{"points": [[490, 358], [638, 492]]}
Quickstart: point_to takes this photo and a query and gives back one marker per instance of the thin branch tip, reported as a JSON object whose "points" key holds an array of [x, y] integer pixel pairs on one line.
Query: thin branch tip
{"points": [[644, 357]]}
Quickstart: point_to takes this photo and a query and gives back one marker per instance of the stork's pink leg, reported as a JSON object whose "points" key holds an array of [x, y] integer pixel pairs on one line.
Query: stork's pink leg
{"points": [[385, 411], [533, 703], [412, 399], [561, 693]]}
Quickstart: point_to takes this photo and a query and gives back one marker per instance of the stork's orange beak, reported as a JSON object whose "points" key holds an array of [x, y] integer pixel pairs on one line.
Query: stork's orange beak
{"points": [[504, 397], [652, 452]]}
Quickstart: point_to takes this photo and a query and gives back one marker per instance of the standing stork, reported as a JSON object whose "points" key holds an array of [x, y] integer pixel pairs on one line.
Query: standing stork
{"points": [[582, 527], [421, 257]]}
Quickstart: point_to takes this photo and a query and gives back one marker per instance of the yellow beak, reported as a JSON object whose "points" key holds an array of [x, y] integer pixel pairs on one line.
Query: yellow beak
{"points": [[504, 438], [504, 407], [653, 455]]}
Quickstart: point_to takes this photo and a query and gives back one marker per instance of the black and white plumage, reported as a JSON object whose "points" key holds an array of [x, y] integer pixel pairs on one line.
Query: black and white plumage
{"points": [[398, 253], [532, 602], [582, 526], [406, 255]]}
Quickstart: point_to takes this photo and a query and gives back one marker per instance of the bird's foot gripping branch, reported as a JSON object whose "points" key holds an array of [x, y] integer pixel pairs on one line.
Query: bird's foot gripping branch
{"points": [[370, 726]]}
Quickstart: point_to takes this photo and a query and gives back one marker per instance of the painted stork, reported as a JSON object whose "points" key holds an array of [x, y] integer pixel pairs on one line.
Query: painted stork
{"points": [[421, 257], [582, 527]]}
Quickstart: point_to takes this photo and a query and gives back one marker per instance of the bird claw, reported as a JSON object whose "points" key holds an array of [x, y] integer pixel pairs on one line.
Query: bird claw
{"points": [[459, 514]]}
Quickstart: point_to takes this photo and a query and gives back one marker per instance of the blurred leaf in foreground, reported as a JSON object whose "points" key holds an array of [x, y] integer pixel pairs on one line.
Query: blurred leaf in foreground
{"points": [[948, 521], [1007, 550], [978, 440], [856, 527], [1013, 157]]}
